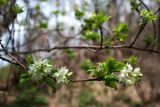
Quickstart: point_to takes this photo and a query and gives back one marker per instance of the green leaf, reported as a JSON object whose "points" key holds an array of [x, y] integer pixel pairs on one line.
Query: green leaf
{"points": [[91, 35], [131, 60], [105, 70], [24, 78], [3, 2], [37, 7], [86, 64], [95, 21], [24, 81], [26, 75], [134, 4], [110, 77], [78, 13], [16, 9], [50, 82], [55, 12], [111, 84], [121, 32], [43, 25], [158, 1], [111, 81], [29, 59], [149, 40], [147, 16], [113, 65], [110, 63]]}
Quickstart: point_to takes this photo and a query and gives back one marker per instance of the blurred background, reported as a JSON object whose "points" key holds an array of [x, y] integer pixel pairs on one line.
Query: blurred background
{"points": [[44, 24]]}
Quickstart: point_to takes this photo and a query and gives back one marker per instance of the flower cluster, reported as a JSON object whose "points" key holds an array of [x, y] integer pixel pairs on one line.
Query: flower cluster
{"points": [[42, 68], [63, 75], [130, 76]]}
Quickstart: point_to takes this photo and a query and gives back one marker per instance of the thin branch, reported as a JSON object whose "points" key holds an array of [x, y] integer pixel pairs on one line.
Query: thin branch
{"points": [[144, 5], [101, 32], [154, 26], [13, 58], [157, 11], [7, 60], [85, 80], [89, 47], [154, 29], [143, 26], [138, 34]]}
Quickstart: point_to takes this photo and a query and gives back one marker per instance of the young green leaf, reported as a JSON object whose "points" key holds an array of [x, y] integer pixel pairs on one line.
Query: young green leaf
{"points": [[43, 25], [86, 64], [16, 9], [121, 32], [51, 83], [29, 59], [131, 60]]}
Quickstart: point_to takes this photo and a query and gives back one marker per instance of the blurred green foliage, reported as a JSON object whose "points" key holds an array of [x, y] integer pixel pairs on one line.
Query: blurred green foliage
{"points": [[134, 4], [131, 60], [86, 64], [3, 2], [70, 53], [79, 13], [87, 99], [37, 7], [16, 9], [121, 32], [29, 97], [147, 16], [43, 25], [4, 71], [149, 40]]}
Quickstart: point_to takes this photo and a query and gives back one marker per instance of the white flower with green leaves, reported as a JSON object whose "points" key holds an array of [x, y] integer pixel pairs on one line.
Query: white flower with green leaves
{"points": [[40, 68], [130, 76], [63, 75]]}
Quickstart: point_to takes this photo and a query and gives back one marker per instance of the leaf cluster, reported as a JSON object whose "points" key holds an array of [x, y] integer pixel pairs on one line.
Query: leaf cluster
{"points": [[121, 32], [134, 5], [105, 71], [91, 25], [147, 16], [16, 9]]}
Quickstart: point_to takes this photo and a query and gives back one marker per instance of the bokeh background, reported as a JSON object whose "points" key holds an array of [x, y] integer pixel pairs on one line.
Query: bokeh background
{"points": [[44, 24]]}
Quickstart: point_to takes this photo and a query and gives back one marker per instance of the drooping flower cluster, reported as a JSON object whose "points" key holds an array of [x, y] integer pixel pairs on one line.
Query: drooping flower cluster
{"points": [[63, 75], [42, 68], [130, 76]]}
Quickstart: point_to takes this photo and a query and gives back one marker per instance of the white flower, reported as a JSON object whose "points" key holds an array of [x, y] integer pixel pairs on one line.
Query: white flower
{"points": [[129, 68], [129, 76], [137, 72], [129, 82], [63, 75], [39, 69], [122, 77]]}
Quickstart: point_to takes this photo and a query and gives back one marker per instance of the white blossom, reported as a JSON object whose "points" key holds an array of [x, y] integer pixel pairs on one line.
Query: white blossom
{"points": [[62, 75], [40, 68], [129, 76], [137, 72]]}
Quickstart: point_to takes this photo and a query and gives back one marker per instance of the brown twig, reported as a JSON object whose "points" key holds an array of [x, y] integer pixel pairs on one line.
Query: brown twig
{"points": [[12, 57], [85, 80], [89, 47]]}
